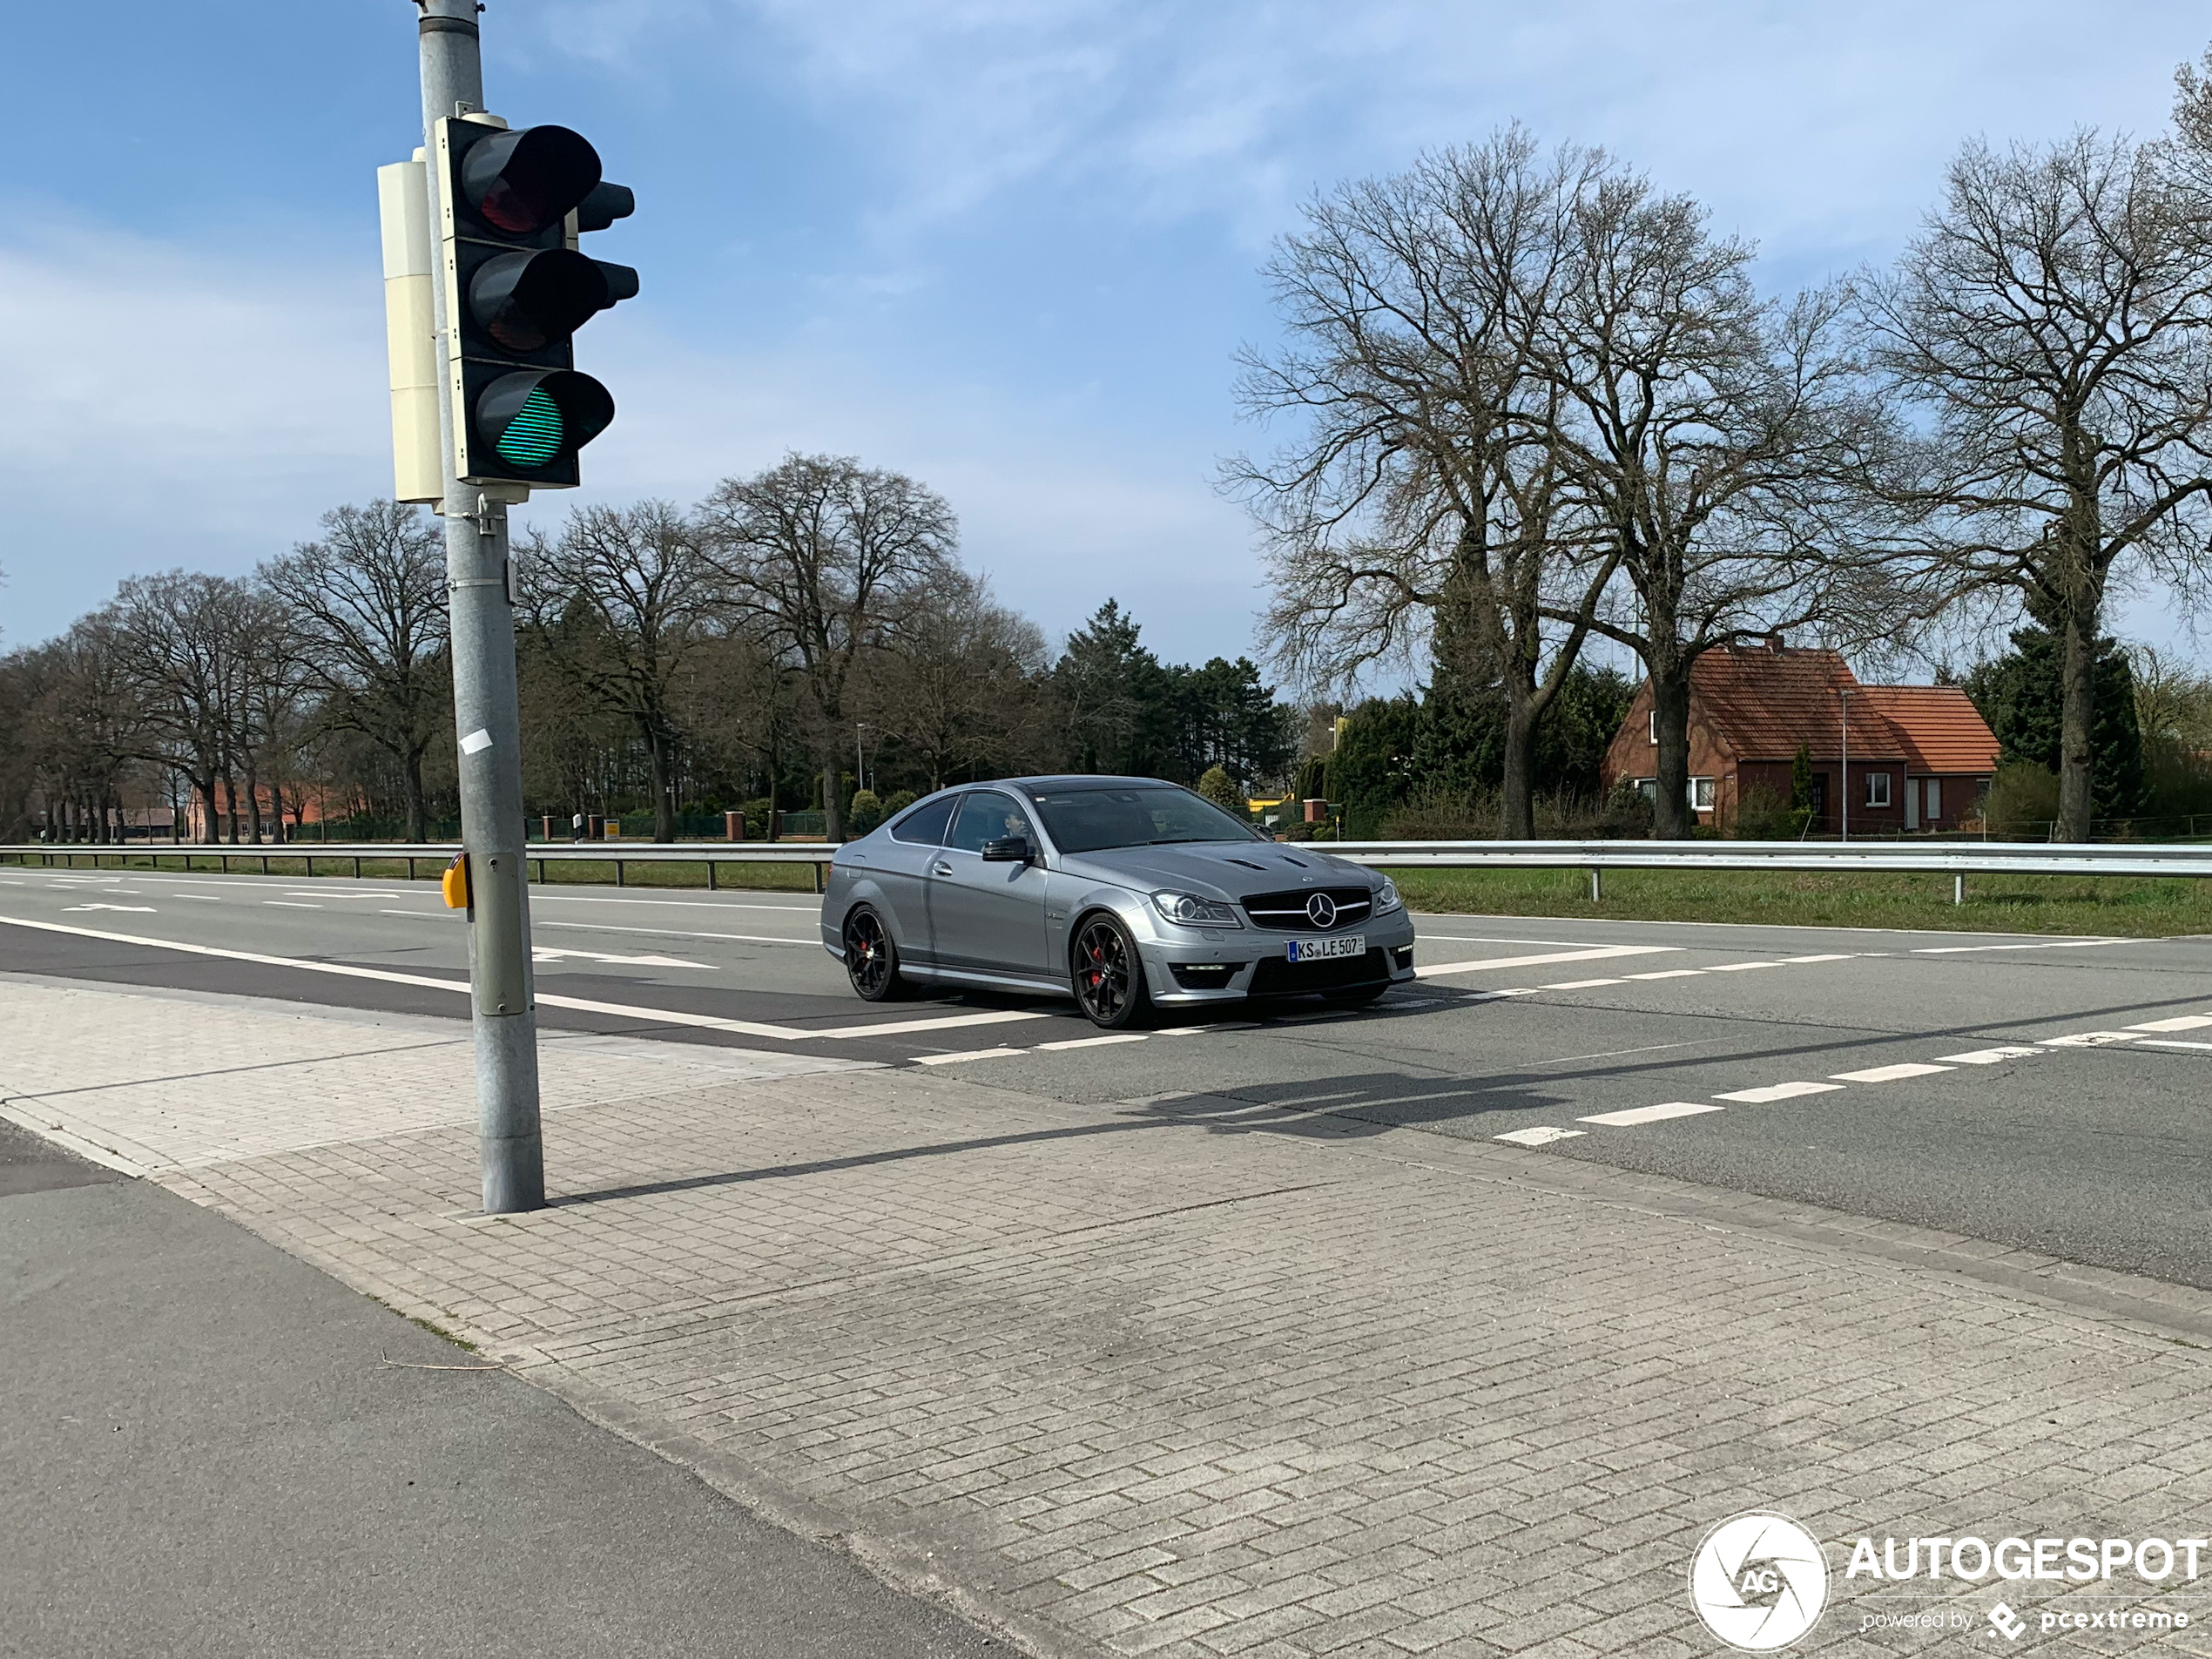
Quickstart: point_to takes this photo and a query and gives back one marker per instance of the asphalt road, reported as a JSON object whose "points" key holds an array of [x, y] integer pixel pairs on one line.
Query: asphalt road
{"points": [[211, 1448], [1865, 1071]]}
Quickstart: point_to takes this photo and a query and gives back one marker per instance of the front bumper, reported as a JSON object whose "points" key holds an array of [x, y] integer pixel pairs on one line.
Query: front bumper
{"points": [[1232, 964]]}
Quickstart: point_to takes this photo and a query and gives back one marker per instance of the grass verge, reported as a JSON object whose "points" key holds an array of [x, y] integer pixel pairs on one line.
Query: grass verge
{"points": [[759, 878], [2147, 907]]}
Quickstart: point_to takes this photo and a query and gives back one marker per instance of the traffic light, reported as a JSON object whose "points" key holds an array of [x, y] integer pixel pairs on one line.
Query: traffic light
{"points": [[517, 287]]}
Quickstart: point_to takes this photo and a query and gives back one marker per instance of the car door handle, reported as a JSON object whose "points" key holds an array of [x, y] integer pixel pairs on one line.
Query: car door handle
{"points": [[940, 868]]}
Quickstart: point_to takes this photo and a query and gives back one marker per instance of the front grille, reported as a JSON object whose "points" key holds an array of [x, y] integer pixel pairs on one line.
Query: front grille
{"points": [[1275, 977], [1286, 911]]}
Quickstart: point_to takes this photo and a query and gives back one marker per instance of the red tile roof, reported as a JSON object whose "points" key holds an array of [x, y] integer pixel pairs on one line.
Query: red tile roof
{"points": [[1762, 704], [1943, 731]]}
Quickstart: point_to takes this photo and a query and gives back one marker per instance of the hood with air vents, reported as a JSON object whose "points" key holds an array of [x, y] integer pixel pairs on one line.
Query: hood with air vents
{"points": [[1231, 870]]}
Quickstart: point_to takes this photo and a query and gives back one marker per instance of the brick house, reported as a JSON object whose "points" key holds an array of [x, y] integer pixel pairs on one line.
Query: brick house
{"points": [[1921, 756]]}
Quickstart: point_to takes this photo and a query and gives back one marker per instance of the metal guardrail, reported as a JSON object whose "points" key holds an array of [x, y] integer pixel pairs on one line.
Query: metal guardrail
{"points": [[1955, 859], [436, 854], [1949, 858]]}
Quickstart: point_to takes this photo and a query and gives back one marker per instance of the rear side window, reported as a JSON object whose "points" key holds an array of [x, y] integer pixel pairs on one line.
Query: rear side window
{"points": [[925, 825]]}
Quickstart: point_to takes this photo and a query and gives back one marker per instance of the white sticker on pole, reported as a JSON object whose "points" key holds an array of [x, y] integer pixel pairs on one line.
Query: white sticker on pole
{"points": [[476, 742]]}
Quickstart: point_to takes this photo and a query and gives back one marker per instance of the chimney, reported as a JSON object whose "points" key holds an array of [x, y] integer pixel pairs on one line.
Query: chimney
{"points": [[1774, 642]]}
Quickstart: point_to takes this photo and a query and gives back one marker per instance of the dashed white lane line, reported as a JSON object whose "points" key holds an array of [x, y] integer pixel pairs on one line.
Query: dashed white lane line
{"points": [[291, 904], [2087, 1039], [2176, 1042], [1580, 984], [1657, 1114], [1096, 1042], [659, 932], [1667, 972], [548, 953], [958, 1059], [1887, 1074], [1590, 954], [1831, 956], [1544, 1135], [2040, 944], [1778, 1091], [2179, 1022], [1991, 1057], [1738, 967]]}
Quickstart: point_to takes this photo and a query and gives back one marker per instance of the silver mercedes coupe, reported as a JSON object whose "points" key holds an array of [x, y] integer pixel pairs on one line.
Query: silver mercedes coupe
{"points": [[1126, 893]]}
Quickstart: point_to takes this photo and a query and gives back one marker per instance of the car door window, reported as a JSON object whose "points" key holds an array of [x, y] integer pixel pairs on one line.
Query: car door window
{"points": [[987, 816], [925, 825]]}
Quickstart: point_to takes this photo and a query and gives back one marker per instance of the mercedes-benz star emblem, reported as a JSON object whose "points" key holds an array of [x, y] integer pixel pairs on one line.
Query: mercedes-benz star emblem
{"points": [[1321, 910]]}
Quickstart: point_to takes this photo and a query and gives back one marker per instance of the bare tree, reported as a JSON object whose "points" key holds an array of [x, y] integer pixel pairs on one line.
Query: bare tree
{"points": [[1708, 435], [825, 560], [2052, 326], [1424, 501], [189, 635], [963, 691], [619, 601], [367, 600]]}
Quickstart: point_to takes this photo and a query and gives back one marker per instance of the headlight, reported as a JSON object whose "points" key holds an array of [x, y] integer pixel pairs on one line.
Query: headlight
{"points": [[1387, 899], [1191, 911]]}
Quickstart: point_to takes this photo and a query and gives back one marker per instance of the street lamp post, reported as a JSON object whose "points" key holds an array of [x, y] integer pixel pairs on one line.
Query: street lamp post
{"points": [[860, 761], [1844, 695]]}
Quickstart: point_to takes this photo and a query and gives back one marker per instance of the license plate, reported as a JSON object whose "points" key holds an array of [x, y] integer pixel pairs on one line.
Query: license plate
{"points": [[1320, 950]]}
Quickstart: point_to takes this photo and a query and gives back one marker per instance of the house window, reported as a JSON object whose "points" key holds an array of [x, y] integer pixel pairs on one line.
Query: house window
{"points": [[1701, 794], [1878, 789], [1647, 787], [1935, 799], [1652, 724]]}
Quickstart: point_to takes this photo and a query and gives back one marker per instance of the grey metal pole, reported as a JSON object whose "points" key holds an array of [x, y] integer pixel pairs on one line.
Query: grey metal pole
{"points": [[1844, 781], [487, 720]]}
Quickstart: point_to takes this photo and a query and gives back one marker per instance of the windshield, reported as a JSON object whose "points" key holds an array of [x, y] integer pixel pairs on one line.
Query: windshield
{"points": [[1085, 820]]}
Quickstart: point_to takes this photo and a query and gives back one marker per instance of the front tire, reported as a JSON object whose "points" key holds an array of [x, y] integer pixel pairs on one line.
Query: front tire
{"points": [[1108, 974], [871, 957]]}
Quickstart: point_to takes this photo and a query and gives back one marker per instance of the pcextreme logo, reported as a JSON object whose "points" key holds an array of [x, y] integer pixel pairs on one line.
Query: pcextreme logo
{"points": [[1759, 1581]]}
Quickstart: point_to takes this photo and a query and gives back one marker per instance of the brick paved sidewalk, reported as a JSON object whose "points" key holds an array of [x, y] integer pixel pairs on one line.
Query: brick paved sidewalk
{"points": [[1182, 1376]]}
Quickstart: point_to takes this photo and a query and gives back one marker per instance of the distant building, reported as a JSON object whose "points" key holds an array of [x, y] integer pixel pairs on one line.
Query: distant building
{"points": [[1921, 756]]}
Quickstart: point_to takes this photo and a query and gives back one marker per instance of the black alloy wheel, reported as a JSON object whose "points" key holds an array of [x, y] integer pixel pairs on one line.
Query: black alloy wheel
{"points": [[871, 960], [1109, 980]]}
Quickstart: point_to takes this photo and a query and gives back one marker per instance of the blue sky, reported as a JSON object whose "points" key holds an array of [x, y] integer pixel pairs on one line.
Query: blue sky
{"points": [[1007, 247]]}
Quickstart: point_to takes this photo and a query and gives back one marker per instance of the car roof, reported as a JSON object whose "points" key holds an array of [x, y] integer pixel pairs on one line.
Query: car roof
{"points": [[1079, 780]]}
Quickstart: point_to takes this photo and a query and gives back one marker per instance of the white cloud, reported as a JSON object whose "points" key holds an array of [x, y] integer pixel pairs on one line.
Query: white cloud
{"points": [[170, 406]]}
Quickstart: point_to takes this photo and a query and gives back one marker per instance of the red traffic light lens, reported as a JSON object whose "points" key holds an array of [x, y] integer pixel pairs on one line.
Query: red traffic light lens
{"points": [[524, 182]]}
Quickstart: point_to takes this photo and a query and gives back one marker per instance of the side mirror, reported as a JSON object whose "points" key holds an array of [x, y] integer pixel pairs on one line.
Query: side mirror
{"points": [[1013, 849]]}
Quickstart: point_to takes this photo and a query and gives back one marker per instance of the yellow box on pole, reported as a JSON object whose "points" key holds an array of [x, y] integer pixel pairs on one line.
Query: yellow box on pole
{"points": [[455, 882]]}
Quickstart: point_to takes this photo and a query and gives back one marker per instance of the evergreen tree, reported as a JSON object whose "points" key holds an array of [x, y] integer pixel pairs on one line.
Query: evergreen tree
{"points": [[2021, 695]]}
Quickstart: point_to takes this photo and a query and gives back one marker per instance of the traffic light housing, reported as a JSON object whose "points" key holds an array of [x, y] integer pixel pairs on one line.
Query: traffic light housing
{"points": [[517, 287]]}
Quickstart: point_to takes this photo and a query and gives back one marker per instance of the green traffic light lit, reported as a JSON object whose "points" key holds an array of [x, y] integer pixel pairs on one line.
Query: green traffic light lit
{"points": [[533, 437]]}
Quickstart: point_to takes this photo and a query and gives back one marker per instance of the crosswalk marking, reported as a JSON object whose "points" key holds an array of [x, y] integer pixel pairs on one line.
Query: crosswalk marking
{"points": [[1543, 1135], [1778, 1091], [1649, 1114]]}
